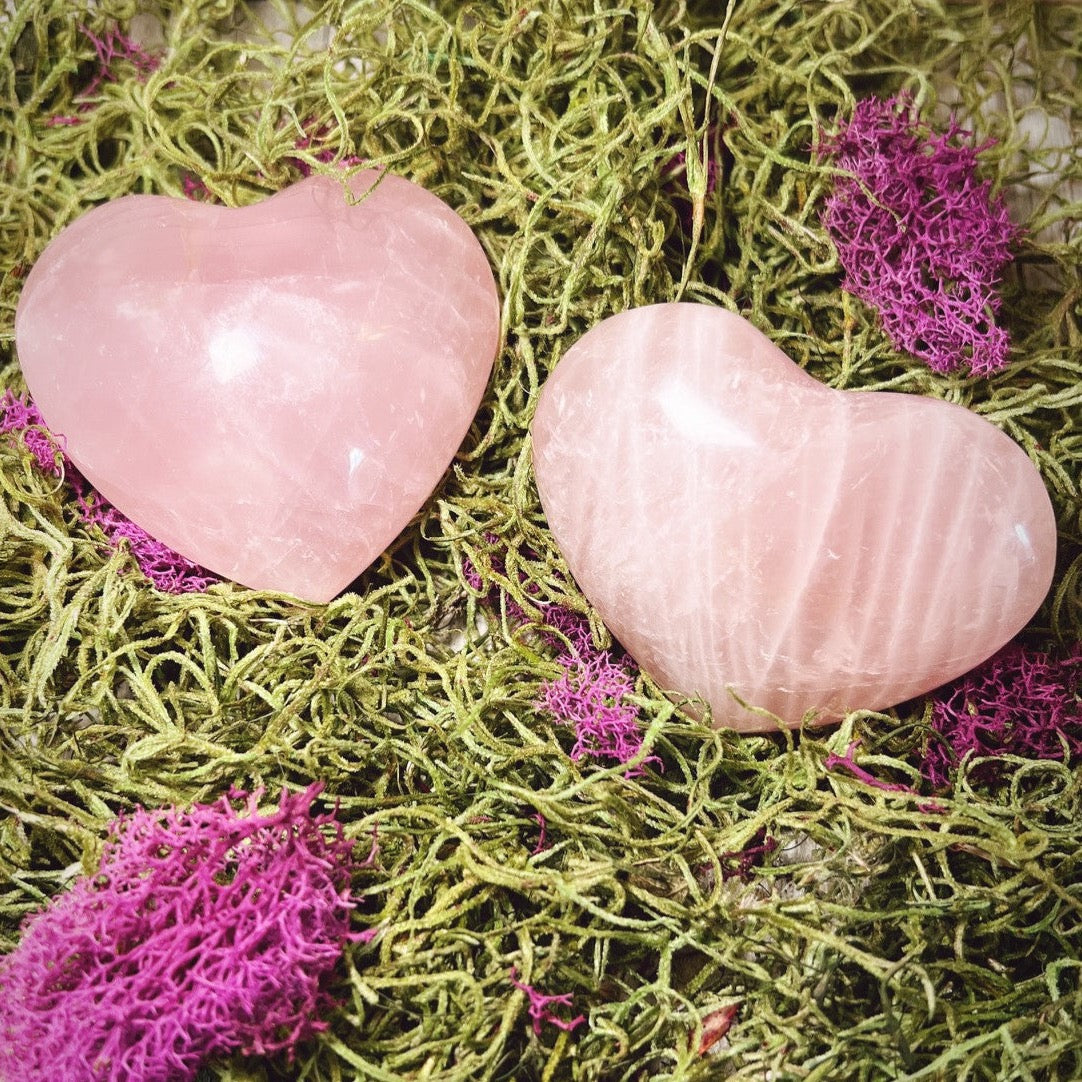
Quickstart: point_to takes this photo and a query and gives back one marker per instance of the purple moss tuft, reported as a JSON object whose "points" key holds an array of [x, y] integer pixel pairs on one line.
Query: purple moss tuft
{"points": [[167, 570], [848, 763], [541, 1007], [1019, 702], [195, 189], [591, 694], [542, 836], [206, 932], [114, 46], [741, 863], [314, 140], [111, 47], [20, 417], [919, 237]]}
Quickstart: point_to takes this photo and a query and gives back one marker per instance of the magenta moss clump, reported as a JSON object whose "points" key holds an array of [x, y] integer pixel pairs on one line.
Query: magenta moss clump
{"points": [[315, 140], [207, 931], [112, 47], [541, 1007], [741, 863], [20, 417], [848, 763], [591, 694], [919, 237], [1019, 702], [167, 570]]}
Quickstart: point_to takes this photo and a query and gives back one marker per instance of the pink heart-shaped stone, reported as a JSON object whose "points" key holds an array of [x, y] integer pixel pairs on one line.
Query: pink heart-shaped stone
{"points": [[275, 390], [743, 529]]}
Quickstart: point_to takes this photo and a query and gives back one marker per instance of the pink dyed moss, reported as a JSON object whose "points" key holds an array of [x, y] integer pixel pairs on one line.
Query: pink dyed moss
{"points": [[1019, 702], [20, 417], [848, 763], [919, 237], [591, 692], [741, 863], [195, 189], [111, 48], [542, 836], [592, 695], [206, 932], [167, 570], [114, 46], [676, 178], [541, 1007], [315, 140]]}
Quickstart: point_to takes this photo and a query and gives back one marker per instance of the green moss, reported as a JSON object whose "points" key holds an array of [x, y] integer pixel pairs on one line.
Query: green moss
{"points": [[883, 939]]}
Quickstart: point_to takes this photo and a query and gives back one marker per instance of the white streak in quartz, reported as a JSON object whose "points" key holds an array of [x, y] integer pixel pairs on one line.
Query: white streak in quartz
{"points": [[232, 351], [1022, 534], [844, 551], [698, 420]]}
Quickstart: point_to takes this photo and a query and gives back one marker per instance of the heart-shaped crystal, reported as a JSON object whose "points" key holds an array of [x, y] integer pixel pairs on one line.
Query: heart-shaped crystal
{"points": [[273, 390], [746, 532]]}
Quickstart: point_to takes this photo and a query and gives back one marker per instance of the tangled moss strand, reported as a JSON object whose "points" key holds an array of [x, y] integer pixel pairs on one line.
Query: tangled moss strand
{"points": [[606, 156]]}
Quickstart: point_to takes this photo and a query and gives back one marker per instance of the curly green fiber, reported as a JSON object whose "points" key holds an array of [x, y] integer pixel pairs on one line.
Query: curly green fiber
{"points": [[890, 935]]}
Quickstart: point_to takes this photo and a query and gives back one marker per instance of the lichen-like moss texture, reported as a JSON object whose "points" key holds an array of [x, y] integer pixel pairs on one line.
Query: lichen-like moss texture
{"points": [[606, 155]]}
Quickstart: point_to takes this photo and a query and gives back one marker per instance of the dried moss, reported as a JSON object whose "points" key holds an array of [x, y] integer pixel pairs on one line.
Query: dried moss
{"points": [[883, 938]]}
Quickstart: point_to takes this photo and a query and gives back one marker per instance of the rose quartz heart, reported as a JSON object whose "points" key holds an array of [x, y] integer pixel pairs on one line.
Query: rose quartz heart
{"points": [[273, 391], [740, 526]]}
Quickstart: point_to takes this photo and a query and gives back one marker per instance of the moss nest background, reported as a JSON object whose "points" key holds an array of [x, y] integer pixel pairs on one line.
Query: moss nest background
{"points": [[882, 934]]}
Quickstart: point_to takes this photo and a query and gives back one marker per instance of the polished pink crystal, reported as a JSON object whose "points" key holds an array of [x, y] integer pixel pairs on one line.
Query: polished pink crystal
{"points": [[273, 391], [749, 534]]}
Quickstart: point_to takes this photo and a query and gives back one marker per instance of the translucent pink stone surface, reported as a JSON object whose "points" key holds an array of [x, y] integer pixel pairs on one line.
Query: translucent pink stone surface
{"points": [[743, 529], [274, 390]]}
